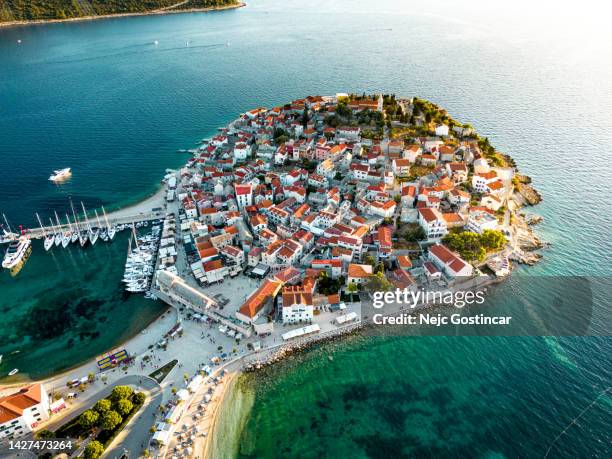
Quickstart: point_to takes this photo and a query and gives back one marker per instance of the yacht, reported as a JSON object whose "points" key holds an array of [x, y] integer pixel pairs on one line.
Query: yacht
{"points": [[7, 236], [16, 252], [61, 174]]}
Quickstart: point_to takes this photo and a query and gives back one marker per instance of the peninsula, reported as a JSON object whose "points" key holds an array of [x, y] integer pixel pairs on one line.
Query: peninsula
{"points": [[272, 236], [19, 12]]}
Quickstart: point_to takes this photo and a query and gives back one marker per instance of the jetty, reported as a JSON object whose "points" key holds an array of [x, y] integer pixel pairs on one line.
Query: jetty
{"points": [[39, 232]]}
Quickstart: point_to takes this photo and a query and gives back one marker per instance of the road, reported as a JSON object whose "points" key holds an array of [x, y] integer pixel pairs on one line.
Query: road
{"points": [[135, 435]]}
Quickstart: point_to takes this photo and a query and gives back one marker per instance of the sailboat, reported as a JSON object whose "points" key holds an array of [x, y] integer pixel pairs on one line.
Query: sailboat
{"points": [[77, 234], [7, 233], [93, 234], [65, 234], [48, 239], [57, 234], [82, 234], [100, 229], [73, 236], [109, 230], [69, 234]]}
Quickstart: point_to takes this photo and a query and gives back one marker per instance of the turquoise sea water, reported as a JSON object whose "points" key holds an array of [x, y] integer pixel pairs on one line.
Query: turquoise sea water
{"points": [[102, 98], [66, 306]]}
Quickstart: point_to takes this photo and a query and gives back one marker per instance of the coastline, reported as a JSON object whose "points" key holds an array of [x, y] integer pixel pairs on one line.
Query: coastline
{"points": [[205, 445], [120, 15], [143, 206], [86, 365]]}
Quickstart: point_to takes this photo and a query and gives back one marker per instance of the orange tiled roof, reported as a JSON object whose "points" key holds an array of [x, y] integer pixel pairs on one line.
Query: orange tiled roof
{"points": [[258, 299], [12, 406]]}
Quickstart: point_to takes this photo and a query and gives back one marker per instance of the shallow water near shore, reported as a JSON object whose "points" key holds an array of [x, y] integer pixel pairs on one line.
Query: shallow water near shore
{"points": [[101, 98], [48, 326]]}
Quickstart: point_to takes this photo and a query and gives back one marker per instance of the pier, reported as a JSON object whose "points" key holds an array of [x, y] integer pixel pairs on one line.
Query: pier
{"points": [[38, 233]]}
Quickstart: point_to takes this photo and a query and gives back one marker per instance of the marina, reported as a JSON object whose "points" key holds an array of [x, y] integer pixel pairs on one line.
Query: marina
{"points": [[141, 259], [84, 231], [536, 123]]}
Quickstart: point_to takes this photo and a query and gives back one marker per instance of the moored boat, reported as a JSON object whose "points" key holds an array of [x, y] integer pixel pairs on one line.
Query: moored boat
{"points": [[17, 251]]}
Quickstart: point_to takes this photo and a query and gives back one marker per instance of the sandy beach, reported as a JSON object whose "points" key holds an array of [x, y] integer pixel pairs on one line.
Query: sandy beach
{"points": [[145, 206], [121, 15], [204, 444]]}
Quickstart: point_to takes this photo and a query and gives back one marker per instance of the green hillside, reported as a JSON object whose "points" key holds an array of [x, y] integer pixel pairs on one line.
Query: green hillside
{"points": [[29, 10]]}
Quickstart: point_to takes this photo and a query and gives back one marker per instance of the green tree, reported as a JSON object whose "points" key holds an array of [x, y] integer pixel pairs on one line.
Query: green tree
{"points": [[42, 434], [124, 407], [110, 420], [120, 392], [305, 117], [88, 419], [414, 233], [139, 398], [493, 239], [93, 450], [369, 259], [102, 406], [473, 246], [379, 283]]}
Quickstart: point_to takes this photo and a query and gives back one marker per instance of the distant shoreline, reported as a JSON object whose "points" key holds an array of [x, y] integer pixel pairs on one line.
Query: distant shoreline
{"points": [[120, 15]]}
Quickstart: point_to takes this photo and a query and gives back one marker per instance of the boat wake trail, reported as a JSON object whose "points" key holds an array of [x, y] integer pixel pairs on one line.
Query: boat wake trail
{"points": [[140, 50]]}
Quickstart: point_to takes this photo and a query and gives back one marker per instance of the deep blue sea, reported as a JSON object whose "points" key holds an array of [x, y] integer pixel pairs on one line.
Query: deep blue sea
{"points": [[103, 98]]}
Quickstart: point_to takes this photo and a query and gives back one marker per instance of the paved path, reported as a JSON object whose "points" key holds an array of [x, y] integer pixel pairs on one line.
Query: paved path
{"points": [[135, 435]]}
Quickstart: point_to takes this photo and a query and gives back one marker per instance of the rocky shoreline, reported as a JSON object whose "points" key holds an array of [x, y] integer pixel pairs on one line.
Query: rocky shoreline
{"points": [[275, 355], [529, 194]]}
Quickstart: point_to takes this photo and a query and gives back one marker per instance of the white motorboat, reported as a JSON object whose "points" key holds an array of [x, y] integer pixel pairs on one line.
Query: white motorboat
{"points": [[17, 251], [14, 372], [60, 175]]}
